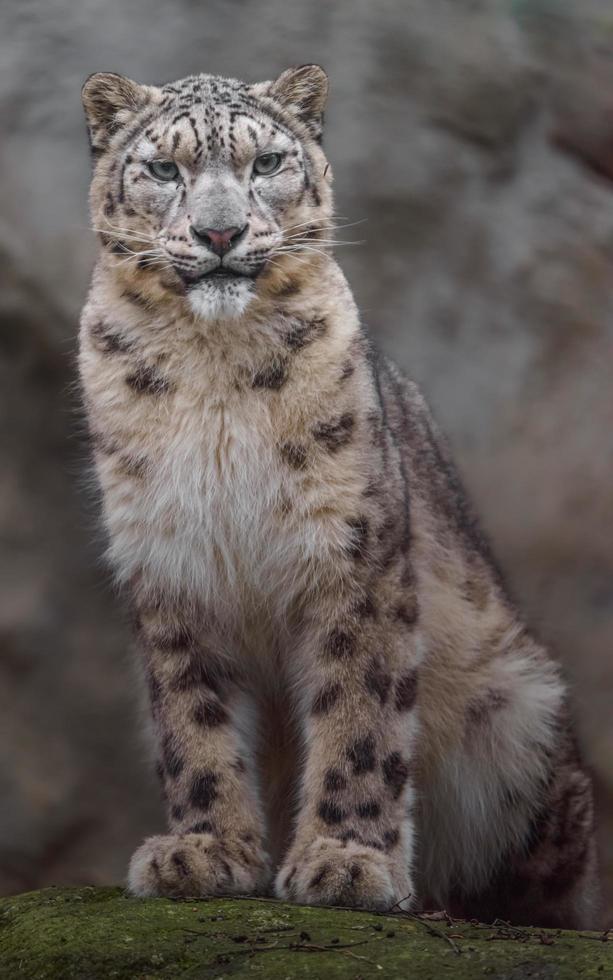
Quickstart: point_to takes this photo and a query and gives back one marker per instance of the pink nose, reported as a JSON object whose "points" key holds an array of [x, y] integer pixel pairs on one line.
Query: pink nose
{"points": [[218, 240]]}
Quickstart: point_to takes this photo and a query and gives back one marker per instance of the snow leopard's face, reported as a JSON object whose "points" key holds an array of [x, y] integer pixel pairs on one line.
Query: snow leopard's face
{"points": [[208, 180]]}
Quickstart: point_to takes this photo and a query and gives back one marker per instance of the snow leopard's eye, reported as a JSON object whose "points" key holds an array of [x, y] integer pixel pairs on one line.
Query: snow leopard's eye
{"points": [[267, 164], [164, 169]]}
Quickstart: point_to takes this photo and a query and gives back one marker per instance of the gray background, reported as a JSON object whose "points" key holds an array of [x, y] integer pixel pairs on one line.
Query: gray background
{"points": [[474, 140]]}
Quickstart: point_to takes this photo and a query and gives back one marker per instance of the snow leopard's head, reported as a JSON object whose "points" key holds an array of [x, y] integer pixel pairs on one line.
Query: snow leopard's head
{"points": [[209, 185]]}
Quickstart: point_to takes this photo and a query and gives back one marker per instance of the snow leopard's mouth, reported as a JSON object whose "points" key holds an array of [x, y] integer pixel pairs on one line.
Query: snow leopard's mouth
{"points": [[221, 274]]}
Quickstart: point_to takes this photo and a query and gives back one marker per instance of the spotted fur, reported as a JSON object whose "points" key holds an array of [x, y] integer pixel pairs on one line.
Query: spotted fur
{"points": [[343, 693]]}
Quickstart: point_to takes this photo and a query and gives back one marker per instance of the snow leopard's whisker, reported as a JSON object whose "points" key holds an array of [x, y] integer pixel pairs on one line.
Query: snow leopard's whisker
{"points": [[296, 258], [152, 263], [296, 251], [330, 226], [110, 226], [121, 230], [309, 236], [292, 249], [137, 252], [320, 241], [123, 235], [309, 221], [146, 259], [315, 218]]}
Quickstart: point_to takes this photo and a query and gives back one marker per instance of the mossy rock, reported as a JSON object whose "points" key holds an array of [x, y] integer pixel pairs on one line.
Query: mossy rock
{"points": [[91, 933]]}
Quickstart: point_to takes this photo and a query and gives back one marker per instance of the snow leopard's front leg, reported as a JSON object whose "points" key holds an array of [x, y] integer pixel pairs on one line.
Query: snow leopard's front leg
{"points": [[215, 840], [354, 833]]}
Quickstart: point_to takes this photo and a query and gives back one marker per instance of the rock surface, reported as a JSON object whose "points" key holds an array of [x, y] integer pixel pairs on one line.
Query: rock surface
{"points": [[98, 934]]}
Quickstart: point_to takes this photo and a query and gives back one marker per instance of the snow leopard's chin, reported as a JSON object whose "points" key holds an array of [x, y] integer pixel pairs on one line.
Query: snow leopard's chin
{"points": [[218, 299]]}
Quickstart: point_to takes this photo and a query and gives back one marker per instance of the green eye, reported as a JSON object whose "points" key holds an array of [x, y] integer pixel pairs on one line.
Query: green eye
{"points": [[164, 169], [267, 164]]}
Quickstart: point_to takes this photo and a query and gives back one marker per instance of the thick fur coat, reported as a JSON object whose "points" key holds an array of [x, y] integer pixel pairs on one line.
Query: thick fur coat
{"points": [[346, 701]]}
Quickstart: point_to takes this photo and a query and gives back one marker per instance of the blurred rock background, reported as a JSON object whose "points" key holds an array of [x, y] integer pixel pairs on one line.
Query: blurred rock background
{"points": [[475, 142]]}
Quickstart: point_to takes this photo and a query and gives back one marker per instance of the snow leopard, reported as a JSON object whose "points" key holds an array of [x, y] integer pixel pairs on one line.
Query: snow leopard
{"points": [[347, 705]]}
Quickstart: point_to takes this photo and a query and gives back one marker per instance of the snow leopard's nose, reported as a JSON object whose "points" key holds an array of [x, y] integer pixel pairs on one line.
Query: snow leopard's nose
{"points": [[218, 240]]}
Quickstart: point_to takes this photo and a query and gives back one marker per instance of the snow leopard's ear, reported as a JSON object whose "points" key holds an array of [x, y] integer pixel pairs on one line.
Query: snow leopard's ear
{"points": [[108, 100], [303, 91]]}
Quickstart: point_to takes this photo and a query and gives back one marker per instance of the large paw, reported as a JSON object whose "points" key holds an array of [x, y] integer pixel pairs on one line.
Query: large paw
{"points": [[330, 872], [189, 865]]}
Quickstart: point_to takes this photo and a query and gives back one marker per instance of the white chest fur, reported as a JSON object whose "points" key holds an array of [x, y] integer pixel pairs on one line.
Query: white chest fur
{"points": [[206, 516]]}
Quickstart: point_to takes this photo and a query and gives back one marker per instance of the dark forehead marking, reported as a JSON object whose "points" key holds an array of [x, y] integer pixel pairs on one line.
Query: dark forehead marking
{"points": [[208, 90], [212, 111], [199, 144], [277, 127], [244, 102], [231, 93], [139, 127]]}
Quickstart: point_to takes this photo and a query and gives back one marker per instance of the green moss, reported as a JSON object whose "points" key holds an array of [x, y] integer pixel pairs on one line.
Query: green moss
{"points": [[91, 933]]}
